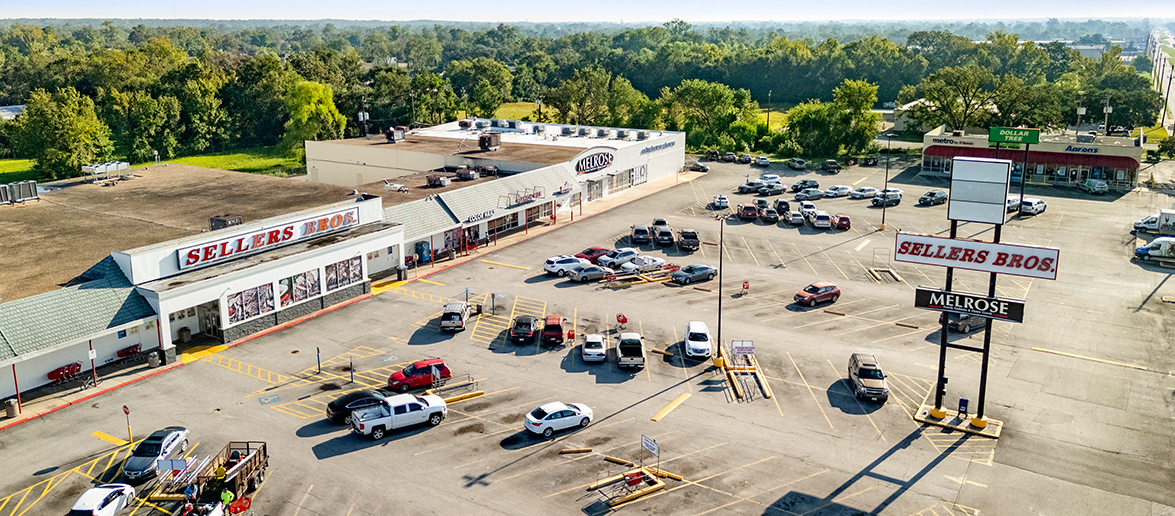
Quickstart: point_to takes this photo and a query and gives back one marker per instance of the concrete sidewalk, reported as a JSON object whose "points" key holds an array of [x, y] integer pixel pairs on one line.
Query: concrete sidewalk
{"points": [[46, 400]]}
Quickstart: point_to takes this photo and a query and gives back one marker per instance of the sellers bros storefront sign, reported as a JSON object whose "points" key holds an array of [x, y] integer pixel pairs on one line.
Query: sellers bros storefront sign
{"points": [[1013, 259], [266, 238]]}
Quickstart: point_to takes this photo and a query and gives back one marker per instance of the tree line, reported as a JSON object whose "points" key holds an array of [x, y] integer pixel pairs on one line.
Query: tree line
{"points": [[97, 92]]}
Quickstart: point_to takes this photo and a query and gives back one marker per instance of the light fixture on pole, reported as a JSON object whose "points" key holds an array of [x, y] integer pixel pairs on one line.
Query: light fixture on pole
{"points": [[768, 110], [888, 148], [1080, 111]]}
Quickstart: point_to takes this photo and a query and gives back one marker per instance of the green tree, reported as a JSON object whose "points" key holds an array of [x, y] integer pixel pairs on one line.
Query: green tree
{"points": [[1019, 104], [858, 124], [486, 99], [203, 123], [582, 99], [812, 126], [1143, 64], [628, 107], [61, 132], [1167, 147], [432, 99], [255, 99], [465, 75], [958, 97], [141, 124], [312, 116]]}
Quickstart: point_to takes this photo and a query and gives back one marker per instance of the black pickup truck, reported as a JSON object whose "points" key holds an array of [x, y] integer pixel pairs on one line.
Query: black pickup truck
{"points": [[688, 240]]}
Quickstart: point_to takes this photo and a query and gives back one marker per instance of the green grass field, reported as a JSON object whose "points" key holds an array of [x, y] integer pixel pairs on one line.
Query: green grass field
{"points": [[13, 170], [263, 160], [516, 110], [1153, 134], [1170, 54]]}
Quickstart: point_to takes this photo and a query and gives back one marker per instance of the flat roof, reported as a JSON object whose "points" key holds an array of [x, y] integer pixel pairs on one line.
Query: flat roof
{"points": [[48, 243], [518, 144], [417, 185]]}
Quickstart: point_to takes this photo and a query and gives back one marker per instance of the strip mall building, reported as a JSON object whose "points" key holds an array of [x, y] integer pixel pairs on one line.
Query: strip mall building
{"points": [[178, 276], [1059, 159]]}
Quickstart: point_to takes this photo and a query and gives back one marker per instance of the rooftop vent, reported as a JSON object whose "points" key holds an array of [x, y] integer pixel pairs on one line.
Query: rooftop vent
{"points": [[1084, 138], [568, 130], [482, 124], [224, 221], [489, 141], [956, 133], [585, 131], [514, 124], [642, 135], [465, 124], [540, 129]]}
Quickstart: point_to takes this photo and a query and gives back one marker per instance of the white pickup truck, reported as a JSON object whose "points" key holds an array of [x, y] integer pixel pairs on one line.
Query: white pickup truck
{"points": [[630, 352], [396, 412]]}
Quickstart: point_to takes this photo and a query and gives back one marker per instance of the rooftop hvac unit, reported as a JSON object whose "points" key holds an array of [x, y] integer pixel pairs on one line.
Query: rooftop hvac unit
{"points": [[465, 124], [1084, 138], [486, 170], [396, 134], [489, 141], [622, 133], [224, 221], [514, 124], [467, 174], [482, 124], [500, 123], [642, 135], [568, 130], [4, 197], [540, 129], [956, 133], [585, 131], [438, 181]]}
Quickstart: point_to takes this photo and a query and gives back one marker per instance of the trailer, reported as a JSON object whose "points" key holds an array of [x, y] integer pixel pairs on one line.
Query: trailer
{"points": [[240, 466]]}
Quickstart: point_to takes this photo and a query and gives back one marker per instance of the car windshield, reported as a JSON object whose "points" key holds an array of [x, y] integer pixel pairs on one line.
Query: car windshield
{"points": [[522, 326], [688, 234], [410, 370], [698, 336], [871, 374], [687, 269], [811, 289], [538, 413], [588, 251], [148, 449]]}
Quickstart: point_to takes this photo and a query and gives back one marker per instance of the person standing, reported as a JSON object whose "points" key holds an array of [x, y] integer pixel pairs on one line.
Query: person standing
{"points": [[226, 496]]}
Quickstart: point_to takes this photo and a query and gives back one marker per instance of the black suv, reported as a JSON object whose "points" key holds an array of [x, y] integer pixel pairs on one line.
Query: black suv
{"points": [[782, 206], [712, 155], [688, 240], [663, 235], [805, 183], [641, 234], [962, 323]]}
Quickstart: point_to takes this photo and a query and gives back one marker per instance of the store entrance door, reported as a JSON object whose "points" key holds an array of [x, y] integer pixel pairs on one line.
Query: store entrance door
{"points": [[209, 314]]}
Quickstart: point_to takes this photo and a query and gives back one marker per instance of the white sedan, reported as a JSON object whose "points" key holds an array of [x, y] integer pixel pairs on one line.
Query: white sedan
{"points": [[721, 202], [594, 348], [105, 500], [554, 416], [643, 263], [770, 178], [864, 192], [837, 191]]}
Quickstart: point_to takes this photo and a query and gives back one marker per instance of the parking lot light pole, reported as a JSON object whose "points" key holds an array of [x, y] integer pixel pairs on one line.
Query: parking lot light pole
{"points": [[888, 148], [721, 246]]}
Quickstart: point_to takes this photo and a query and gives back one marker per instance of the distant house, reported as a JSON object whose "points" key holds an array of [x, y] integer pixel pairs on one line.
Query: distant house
{"points": [[10, 112]]}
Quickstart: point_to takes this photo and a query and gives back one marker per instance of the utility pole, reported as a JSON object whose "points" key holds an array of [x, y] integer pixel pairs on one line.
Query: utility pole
{"points": [[1165, 99], [1107, 110], [769, 111], [888, 152]]}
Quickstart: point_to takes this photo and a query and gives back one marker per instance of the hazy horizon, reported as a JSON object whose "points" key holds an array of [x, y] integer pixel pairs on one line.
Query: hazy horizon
{"points": [[517, 11]]}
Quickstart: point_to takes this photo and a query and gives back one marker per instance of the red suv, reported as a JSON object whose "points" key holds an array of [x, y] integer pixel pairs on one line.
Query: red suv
{"points": [[818, 292], [748, 212], [421, 373], [841, 221], [555, 329], [592, 254]]}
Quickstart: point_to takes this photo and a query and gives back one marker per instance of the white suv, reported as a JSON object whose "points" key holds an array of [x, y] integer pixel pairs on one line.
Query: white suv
{"points": [[821, 219], [562, 265], [617, 257], [697, 340], [1032, 206]]}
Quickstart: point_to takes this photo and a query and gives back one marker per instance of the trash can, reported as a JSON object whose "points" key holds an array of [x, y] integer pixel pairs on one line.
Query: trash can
{"points": [[10, 407], [153, 359], [185, 335]]}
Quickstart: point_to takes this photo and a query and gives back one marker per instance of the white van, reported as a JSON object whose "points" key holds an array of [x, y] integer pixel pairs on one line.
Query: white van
{"points": [[697, 340]]}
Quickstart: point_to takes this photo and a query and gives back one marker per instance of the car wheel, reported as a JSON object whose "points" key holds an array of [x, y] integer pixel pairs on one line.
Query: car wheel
{"points": [[184, 446], [966, 328], [435, 419], [835, 297], [710, 276], [377, 433], [347, 420], [812, 301], [583, 423], [562, 273], [685, 281], [402, 388], [548, 432]]}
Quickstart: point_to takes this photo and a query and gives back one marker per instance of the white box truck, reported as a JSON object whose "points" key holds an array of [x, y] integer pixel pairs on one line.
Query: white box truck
{"points": [[1162, 223]]}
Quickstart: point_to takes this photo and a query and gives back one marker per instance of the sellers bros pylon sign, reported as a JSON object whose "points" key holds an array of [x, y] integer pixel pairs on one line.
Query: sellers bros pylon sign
{"points": [[1013, 259]]}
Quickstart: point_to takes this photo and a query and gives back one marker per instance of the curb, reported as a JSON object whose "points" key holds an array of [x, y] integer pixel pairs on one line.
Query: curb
{"points": [[180, 363], [84, 398]]}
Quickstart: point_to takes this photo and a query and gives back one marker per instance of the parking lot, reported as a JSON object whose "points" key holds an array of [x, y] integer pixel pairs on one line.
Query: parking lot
{"points": [[1083, 385]]}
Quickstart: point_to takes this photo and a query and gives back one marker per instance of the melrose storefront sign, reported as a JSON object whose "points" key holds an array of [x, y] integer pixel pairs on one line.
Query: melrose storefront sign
{"points": [[1012, 259], [266, 238], [594, 163]]}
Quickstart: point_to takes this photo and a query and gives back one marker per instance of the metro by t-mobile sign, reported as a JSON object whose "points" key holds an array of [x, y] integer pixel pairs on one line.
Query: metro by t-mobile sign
{"points": [[1013, 259], [266, 238]]}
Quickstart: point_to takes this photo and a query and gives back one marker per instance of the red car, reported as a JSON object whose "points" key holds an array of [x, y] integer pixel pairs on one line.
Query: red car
{"points": [[592, 254], [421, 373], [818, 292], [748, 212], [841, 221]]}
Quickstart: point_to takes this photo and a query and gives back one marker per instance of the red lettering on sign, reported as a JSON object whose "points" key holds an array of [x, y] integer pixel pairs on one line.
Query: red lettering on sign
{"points": [[904, 248], [323, 224], [1015, 261], [981, 256], [1031, 262], [274, 236], [926, 251], [193, 257], [224, 250], [336, 221], [968, 255], [258, 240], [1045, 264], [939, 254], [954, 253], [209, 253], [287, 233], [349, 218], [1000, 259]]}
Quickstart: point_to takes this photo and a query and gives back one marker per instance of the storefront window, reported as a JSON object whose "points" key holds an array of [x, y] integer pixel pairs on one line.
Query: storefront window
{"points": [[250, 303], [298, 288], [538, 212], [346, 272]]}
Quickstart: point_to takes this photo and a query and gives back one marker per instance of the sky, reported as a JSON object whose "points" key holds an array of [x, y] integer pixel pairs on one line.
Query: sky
{"points": [[625, 11]]}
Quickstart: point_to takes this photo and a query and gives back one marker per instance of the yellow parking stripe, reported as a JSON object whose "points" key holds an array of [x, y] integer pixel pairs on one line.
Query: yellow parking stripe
{"points": [[506, 265], [110, 439], [431, 282], [665, 411], [862, 244]]}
